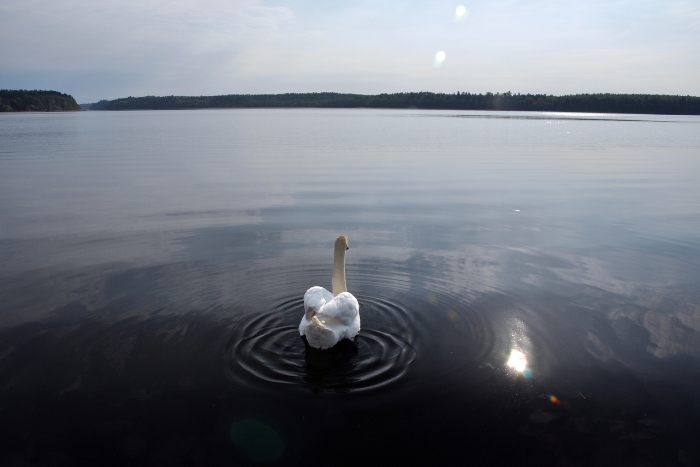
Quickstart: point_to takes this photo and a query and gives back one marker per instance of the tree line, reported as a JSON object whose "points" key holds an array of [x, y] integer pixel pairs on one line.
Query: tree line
{"points": [[37, 101], [608, 103]]}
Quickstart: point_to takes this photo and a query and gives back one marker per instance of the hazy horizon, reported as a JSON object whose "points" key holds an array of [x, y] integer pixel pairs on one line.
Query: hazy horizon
{"points": [[212, 47]]}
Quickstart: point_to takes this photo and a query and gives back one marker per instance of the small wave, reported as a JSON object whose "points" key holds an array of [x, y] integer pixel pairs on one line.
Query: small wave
{"points": [[414, 322], [267, 348]]}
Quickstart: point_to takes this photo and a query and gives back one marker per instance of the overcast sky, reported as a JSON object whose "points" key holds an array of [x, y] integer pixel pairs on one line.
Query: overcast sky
{"points": [[103, 49]]}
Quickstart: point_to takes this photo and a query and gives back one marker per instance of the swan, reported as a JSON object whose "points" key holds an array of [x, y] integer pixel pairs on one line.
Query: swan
{"points": [[330, 317]]}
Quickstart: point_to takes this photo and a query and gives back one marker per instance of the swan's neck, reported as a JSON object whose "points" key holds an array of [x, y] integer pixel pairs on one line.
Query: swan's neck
{"points": [[339, 269]]}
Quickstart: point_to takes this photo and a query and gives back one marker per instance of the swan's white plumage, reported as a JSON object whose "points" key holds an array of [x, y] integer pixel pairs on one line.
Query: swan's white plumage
{"points": [[316, 297], [337, 317], [327, 318], [344, 308]]}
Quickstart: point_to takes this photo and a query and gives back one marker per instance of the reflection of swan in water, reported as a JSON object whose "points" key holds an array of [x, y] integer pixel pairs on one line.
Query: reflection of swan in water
{"points": [[330, 369], [336, 361], [330, 317]]}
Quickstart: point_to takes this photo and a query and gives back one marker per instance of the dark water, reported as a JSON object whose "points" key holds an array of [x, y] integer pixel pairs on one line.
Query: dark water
{"points": [[529, 287]]}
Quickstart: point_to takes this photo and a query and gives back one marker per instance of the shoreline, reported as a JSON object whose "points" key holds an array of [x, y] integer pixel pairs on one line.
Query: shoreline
{"points": [[643, 104]]}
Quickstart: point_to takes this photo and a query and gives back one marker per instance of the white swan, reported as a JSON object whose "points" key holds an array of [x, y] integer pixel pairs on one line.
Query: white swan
{"points": [[330, 317]]}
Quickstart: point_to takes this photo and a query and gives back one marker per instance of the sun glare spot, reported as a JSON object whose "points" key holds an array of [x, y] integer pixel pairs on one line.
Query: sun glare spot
{"points": [[439, 58], [461, 12]]}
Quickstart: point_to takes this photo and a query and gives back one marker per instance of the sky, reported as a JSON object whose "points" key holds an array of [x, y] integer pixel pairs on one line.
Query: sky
{"points": [[107, 49]]}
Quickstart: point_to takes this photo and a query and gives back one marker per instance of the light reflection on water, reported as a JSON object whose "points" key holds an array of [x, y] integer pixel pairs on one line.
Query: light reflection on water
{"points": [[516, 278], [517, 361]]}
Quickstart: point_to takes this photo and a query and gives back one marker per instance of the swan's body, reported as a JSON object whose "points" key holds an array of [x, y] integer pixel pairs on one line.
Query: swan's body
{"points": [[330, 317]]}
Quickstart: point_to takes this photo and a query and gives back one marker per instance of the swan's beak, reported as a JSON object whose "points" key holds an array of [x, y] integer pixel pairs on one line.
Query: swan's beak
{"points": [[347, 248]]}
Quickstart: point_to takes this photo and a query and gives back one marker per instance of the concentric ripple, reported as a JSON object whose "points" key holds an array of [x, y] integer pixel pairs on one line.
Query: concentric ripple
{"points": [[267, 348], [414, 321]]}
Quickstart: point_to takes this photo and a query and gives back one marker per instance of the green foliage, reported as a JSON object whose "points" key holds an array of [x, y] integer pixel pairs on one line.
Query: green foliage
{"points": [[609, 103], [37, 101]]}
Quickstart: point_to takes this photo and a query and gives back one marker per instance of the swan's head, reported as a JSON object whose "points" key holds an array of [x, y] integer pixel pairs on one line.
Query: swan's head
{"points": [[342, 242]]}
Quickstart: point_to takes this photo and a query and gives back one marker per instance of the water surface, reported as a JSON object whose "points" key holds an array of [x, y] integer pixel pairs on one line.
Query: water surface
{"points": [[528, 286]]}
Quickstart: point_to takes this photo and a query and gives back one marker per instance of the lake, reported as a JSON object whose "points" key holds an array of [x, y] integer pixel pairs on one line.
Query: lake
{"points": [[529, 287]]}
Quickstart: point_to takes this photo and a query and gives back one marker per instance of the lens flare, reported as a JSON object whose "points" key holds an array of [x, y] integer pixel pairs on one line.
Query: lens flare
{"points": [[256, 440]]}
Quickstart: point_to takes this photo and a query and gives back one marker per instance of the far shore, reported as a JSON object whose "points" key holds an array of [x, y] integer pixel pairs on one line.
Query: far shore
{"points": [[585, 103]]}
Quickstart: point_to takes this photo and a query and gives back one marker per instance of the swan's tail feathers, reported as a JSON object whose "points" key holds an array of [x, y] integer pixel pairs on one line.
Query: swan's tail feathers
{"points": [[310, 312], [319, 336]]}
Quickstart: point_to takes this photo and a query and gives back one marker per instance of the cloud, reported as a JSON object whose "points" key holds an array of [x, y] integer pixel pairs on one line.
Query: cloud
{"points": [[686, 13], [256, 46], [83, 34]]}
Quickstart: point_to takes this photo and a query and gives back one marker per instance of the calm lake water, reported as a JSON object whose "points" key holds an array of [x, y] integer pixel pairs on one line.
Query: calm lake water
{"points": [[529, 286]]}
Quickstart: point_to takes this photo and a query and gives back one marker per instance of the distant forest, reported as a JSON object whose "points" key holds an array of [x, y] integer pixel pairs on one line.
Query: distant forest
{"points": [[37, 101], [609, 103]]}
